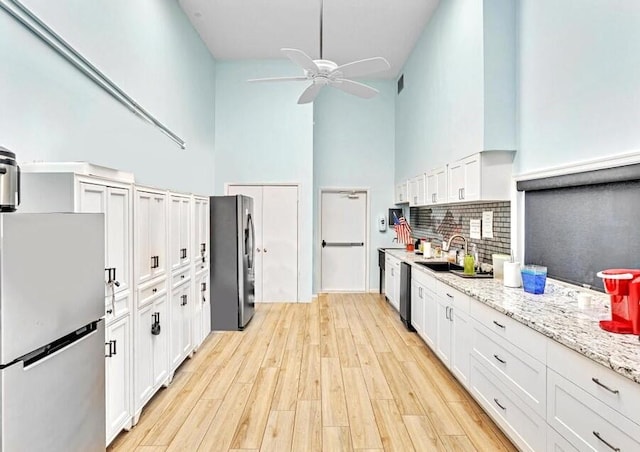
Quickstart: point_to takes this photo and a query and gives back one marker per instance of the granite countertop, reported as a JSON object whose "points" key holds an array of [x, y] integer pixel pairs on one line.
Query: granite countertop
{"points": [[555, 314]]}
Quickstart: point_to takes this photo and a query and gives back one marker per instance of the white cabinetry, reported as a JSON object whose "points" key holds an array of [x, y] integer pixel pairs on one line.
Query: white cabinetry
{"points": [[485, 176], [179, 231], [417, 190], [392, 281], [150, 234], [453, 336], [62, 187], [181, 320], [402, 193], [201, 304], [436, 186], [423, 296]]}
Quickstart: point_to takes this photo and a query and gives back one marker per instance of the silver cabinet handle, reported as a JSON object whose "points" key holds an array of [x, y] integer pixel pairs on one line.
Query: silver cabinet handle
{"points": [[504, 408], [451, 313], [596, 381], [462, 191], [499, 324], [500, 359], [607, 443]]}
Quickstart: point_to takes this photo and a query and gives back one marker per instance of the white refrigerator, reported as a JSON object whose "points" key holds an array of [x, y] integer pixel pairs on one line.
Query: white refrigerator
{"points": [[52, 349]]}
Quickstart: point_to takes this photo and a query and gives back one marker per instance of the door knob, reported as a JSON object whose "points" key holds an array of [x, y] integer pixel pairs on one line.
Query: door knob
{"points": [[258, 250], [265, 250]]}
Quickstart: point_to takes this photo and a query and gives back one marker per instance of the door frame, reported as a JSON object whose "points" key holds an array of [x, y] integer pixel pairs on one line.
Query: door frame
{"points": [[279, 184], [367, 238]]}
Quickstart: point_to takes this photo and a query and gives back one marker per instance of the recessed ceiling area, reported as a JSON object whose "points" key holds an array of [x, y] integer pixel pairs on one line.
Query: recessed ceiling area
{"points": [[352, 29]]}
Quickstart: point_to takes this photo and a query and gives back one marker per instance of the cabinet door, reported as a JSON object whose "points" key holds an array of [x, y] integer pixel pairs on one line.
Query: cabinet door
{"points": [[417, 307], [431, 189], [204, 232], [119, 235], [158, 233], [144, 353], [460, 345], [185, 231], [421, 187], [413, 191], [396, 285], [471, 187], [206, 306], [443, 332], [441, 184], [430, 318], [175, 229], [186, 328], [93, 199], [161, 342], [177, 314], [388, 279], [117, 383], [143, 218], [456, 181], [196, 312]]}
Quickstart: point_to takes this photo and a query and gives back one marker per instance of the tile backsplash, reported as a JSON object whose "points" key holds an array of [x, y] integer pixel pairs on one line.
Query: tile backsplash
{"points": [[438, 223]]}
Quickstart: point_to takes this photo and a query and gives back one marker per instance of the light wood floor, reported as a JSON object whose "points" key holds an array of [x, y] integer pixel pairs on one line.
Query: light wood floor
{"points": [[338, 374]]}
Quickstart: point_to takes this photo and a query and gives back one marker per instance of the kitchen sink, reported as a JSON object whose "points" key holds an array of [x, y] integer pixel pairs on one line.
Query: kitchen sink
{"points": [[455, 269]]}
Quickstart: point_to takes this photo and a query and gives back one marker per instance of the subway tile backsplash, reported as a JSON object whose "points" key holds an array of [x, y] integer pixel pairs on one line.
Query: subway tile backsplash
{"points": [[438, 223]]}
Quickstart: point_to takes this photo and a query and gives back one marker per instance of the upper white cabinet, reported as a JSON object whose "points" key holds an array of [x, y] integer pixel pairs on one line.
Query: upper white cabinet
{"points": [[150, 234], [417, 190], [485, 176], [179, 231], [200, 247], [402, 193], [436, 186]]}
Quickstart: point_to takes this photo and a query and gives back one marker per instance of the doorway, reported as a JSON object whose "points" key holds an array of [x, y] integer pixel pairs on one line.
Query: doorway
{"points": [[275, 215], [344, 240]]}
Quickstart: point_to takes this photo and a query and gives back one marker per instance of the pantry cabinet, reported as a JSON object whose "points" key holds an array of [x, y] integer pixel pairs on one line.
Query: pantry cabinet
{"points": [[201, 309], [118, 375], [180, 251], [181, 322], [150, 234]]}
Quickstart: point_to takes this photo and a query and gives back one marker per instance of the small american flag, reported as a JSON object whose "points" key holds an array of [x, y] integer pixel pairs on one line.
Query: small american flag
{"points": [[403, 230]]}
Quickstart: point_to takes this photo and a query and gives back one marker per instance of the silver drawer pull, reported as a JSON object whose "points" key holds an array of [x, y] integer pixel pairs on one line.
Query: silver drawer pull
{"points": [[501, 406], [597, 435], [499, 324], [596, 381], [500, 360]]}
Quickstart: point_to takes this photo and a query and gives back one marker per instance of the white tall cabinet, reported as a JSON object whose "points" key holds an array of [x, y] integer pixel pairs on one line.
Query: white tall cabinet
{"points": [[152, 323], [200, 263], [85, 188]]}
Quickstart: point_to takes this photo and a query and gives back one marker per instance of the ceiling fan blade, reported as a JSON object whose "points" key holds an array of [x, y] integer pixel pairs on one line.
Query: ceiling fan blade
{"points": [[310, 93], [355, 88], [278, 79], [362, 67], [301, 59]]}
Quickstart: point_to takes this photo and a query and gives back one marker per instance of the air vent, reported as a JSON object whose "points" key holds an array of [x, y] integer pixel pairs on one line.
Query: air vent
{"points": [[400, 83]]}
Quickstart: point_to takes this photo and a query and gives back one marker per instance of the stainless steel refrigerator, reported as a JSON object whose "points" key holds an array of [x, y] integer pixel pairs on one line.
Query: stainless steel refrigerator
{"points": [[232, 269], [52, 350]]}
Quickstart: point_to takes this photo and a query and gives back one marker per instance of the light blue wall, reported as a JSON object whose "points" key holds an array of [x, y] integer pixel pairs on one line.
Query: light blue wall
{"points": [[51, 112], [264, 136], [579, 81], [439, 114], [354, 148]]}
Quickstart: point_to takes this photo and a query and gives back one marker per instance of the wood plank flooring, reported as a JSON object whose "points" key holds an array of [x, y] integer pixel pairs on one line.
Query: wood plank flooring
{"points": [[341, 373]]}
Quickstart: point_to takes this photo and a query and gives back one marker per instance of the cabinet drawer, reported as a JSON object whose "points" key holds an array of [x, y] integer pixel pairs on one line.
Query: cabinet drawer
{"points": [[585, 421], [618, 392], [150, 292], [180, 278], [513, 331], [117, 308], [522, 425], [426, 280], [557, 443], [457, 299], [524, 375]]}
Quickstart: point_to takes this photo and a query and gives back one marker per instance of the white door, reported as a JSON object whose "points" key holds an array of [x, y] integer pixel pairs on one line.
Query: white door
{"points": [[255, 192], [93, 199], [158, 233], [118, 235], [275, 216], [144, 261], [175, 245], [343, 233], [279, 243], [117, 376]]}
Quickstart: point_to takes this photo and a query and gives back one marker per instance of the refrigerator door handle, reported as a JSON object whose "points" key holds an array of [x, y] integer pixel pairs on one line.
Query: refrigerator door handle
{"points": [[60, 344]]}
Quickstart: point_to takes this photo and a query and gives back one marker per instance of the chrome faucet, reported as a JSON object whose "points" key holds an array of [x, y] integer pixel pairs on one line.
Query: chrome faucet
{"points": [[466, 250]]}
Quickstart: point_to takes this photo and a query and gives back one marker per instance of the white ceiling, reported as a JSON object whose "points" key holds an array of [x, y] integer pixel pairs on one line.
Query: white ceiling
{"points": [[352, 29]]}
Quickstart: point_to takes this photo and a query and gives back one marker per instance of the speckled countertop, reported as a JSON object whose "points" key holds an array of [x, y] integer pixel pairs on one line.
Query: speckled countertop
{"points": [[555, 314]]}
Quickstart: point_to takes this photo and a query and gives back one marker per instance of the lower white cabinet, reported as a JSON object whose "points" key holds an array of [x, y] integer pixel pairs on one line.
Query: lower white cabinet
{"points": [[417, 306], [181, 323], [151, 354], [519, 422], [118, 376], [557, 443], [586, 422], [201, 308], [392, 281], [453, 332]]}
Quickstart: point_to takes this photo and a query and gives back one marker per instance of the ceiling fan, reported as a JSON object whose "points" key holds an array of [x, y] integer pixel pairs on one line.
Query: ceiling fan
{"points": [[327, 73]]}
